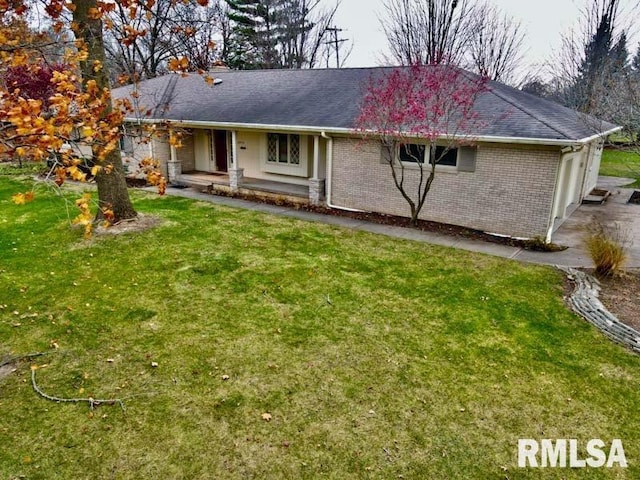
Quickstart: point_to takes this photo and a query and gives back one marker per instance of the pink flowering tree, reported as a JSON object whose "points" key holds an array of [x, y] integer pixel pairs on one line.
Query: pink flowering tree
{"points": [[420, 114]]}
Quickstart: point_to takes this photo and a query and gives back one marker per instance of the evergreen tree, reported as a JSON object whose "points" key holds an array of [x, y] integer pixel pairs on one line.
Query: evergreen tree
{"points": [[595, 65], [254, 33], [619, 56], [635, 63], [276, 33]]}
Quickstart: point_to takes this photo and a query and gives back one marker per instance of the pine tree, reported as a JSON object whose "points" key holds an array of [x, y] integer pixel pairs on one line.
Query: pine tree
{"points": [[254, 37], [635, 63], [605, 63], [275, 33], [619, 56], [594, 66]]}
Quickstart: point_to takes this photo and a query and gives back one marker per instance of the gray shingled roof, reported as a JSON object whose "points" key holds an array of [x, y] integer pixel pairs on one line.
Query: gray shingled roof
{"points": [[329, 100]]}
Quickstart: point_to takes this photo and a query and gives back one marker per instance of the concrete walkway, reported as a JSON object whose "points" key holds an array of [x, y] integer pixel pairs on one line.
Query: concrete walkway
{"points": [[569, 234], [614, 212]]}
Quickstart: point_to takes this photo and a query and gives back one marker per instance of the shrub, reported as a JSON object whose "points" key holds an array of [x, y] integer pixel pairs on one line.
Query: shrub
{"points": [[607, 247]]}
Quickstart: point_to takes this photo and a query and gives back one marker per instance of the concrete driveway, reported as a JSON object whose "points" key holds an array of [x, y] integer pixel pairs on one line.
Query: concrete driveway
{"points": [[571, 233]]}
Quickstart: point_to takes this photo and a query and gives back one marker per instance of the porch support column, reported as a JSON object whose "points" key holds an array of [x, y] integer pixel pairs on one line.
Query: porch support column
{"points": [[174, 165], [316, 185], [235, 172]]}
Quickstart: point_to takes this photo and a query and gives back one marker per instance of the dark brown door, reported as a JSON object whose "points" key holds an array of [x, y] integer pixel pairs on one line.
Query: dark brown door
{"points": [[220, 145]]}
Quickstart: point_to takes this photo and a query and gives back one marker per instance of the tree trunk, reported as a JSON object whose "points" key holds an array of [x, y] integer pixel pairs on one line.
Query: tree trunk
{"points": [[112, 186], [414, 217]]}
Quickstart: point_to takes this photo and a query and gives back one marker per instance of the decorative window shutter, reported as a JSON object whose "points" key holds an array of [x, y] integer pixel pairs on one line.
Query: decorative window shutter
{"points": [[467, 159]]}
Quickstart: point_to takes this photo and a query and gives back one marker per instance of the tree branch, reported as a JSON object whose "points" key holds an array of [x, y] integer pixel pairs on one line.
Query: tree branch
{"points": [[93, 402]]}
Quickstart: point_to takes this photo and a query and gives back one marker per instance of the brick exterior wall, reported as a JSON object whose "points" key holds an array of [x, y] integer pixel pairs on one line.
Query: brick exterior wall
{"points": [[161, 152], [139, 151], [510, 192], [186, 153]]}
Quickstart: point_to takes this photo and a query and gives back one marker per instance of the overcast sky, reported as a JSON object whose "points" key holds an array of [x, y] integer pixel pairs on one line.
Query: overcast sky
{"points": [[543, 20]]}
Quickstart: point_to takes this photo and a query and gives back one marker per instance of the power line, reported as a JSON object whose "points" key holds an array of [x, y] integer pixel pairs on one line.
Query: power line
{"points": [[335, 42]]}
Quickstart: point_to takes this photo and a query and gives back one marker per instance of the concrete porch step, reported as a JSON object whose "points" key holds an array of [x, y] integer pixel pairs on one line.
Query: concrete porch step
{"points": [[191, 181], [597, 196], [289, 190]]}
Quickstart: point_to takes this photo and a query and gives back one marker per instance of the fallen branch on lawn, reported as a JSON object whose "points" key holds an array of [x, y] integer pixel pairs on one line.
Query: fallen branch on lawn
{"points": [[17, 358], [93, 402]]}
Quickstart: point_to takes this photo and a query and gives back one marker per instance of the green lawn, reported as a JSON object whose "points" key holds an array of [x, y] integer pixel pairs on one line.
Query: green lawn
{"points": [[621, 163], [376, 358]]}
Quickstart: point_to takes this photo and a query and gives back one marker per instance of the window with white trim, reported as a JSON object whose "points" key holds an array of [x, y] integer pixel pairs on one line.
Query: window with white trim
{"points": [[283, 148], [416, 152], [126, 141]]}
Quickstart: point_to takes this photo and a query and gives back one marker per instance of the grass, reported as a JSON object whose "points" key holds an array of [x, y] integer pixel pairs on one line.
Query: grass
{"points": [[621, 163], [26, 168], [375, 357]]}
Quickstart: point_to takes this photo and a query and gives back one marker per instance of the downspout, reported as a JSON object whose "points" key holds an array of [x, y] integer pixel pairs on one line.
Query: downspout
{"points": [[329, 140]]}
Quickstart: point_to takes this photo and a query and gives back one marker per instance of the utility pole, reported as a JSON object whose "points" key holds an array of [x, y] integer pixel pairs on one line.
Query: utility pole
{"points": [[335, 42]]}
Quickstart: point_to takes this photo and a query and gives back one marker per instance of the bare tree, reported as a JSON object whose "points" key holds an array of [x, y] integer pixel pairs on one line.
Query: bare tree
{"points": [[428, 31], [147, 57], [204, 36], [171, 29], [495, 44]]}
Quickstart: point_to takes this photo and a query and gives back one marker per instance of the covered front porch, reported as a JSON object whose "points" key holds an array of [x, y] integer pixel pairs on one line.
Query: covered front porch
{"points": [[219, 183], [254, 163]]}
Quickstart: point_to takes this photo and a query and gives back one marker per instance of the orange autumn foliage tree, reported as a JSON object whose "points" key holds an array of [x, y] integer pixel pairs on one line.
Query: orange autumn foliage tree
{"points": [[80, 110]]}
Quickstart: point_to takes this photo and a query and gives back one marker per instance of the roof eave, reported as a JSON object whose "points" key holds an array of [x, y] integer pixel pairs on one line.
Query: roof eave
{"points": [[245, 126], [601, 135], [349, 131]]}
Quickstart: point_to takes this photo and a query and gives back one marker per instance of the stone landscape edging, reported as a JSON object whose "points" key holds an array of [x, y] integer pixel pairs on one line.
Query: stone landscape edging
{"points": [[585, 302]]}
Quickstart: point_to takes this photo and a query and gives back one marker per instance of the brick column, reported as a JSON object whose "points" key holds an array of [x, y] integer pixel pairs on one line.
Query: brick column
{"points": [[174, 166], [174, 170], [235, 178], [316, 191], [316, 185]]}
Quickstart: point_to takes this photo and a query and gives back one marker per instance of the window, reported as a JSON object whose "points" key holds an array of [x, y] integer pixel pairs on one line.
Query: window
{"points": [[415, 152], [126, 143], [283, 148]]}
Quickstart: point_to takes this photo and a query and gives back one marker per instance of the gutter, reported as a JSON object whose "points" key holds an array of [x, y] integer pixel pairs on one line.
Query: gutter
{"points": [[329, 140], [351, 132], [241, 126], [600, 135]]}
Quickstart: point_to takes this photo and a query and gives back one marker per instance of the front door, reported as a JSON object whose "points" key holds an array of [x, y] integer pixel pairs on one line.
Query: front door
{"points": [[220, 148], [202, 145]]}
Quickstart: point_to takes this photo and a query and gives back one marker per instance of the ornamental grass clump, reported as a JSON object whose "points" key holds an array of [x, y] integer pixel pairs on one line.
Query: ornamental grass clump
{"points": [[607, 247]]}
